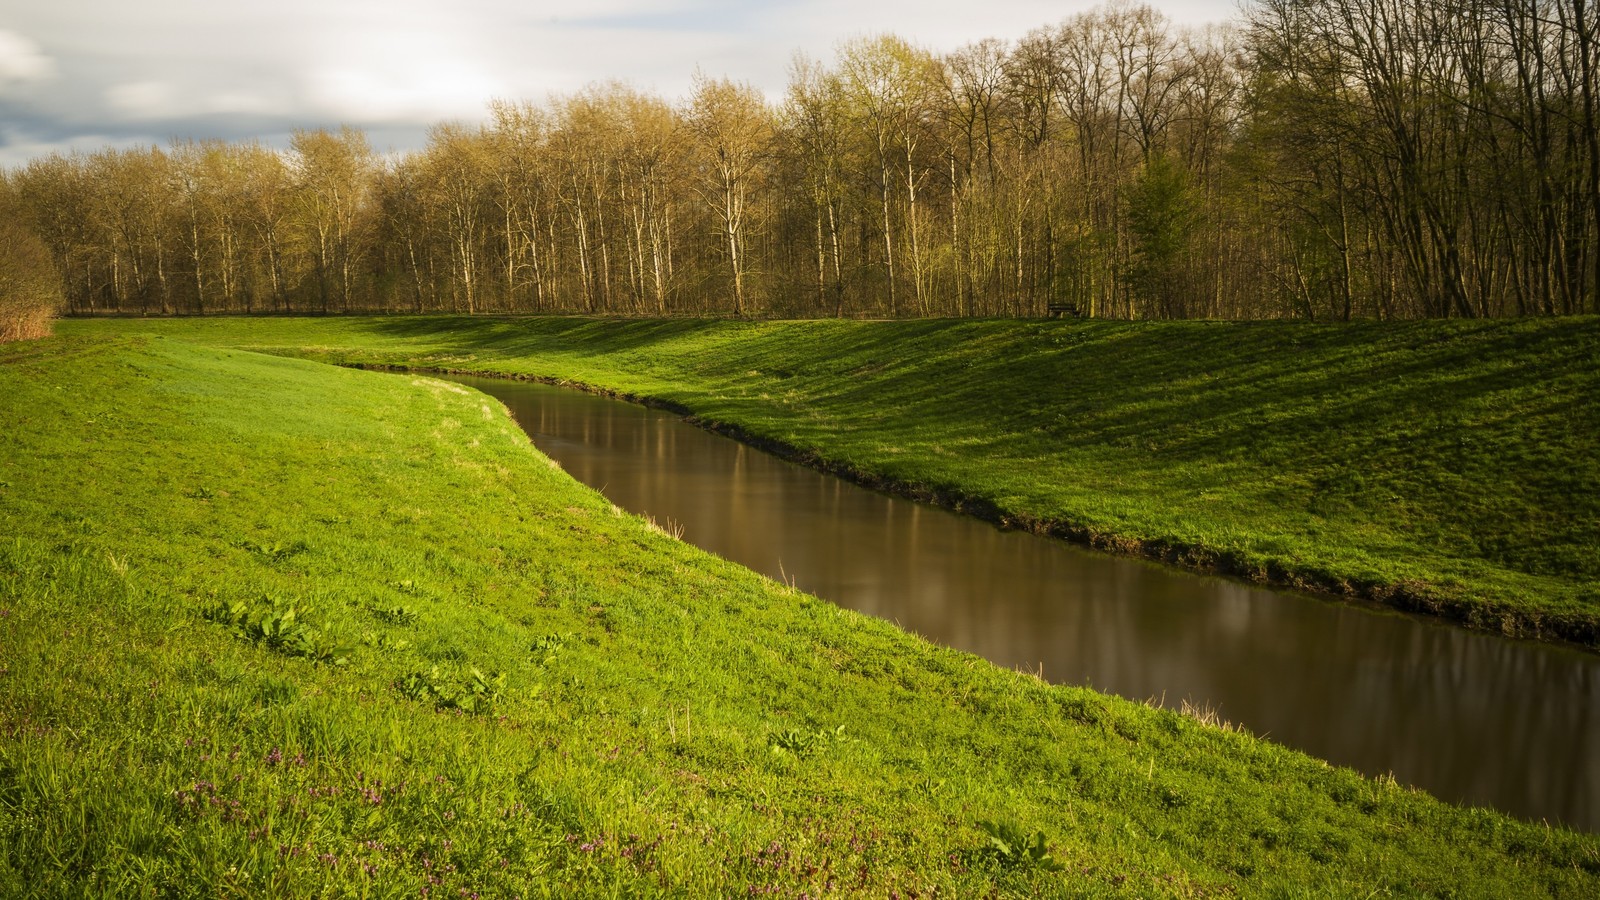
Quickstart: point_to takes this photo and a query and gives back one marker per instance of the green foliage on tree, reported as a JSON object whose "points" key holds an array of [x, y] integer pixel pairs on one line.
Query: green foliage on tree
{"points": [[1162, 215]]}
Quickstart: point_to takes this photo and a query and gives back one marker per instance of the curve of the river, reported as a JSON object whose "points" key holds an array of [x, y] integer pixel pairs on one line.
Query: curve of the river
{"points": [[1469, 717]]}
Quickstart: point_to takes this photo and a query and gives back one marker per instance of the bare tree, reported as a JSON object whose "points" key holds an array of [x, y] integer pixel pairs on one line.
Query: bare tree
{"points": [[333, 179], [732, 126]]}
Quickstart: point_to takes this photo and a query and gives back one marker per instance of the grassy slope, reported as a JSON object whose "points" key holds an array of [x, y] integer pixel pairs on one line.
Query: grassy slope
{"points": [[1448, 467], [143, 746]]}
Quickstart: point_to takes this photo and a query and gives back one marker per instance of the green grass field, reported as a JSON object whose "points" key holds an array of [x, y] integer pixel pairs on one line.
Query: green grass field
{"points": [[1451, 468], [275, 628]]}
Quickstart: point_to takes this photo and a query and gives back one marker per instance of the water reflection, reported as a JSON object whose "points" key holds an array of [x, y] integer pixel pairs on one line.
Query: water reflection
{"points": [[1468, 717]]}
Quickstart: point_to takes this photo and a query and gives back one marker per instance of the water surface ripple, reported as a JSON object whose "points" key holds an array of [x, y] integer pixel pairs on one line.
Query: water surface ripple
{"points": [[1469, 717]]}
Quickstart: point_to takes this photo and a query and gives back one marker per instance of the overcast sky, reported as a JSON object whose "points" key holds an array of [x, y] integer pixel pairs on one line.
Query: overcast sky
{"points": [[90, 73]]}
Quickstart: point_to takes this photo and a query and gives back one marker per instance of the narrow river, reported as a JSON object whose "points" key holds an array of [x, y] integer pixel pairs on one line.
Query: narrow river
{"points": [[1468, 717]]}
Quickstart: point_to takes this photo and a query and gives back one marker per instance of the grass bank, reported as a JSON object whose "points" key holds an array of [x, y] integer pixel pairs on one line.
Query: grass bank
{"points": [[1449, 468], [274, 628]]}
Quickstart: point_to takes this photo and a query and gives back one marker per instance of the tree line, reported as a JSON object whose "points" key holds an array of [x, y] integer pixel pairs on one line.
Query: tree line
{"points": [[1322, 159]]}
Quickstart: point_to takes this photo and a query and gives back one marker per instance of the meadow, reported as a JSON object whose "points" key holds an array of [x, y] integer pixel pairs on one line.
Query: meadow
{"points": [[1443, 467], [270, 627]]}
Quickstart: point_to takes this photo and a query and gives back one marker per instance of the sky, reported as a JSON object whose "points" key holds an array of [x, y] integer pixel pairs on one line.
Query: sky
{"points": [[86, 74]]}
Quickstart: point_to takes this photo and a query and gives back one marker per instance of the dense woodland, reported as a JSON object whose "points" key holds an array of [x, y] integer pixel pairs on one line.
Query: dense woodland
{"points": [[1321, 159]]}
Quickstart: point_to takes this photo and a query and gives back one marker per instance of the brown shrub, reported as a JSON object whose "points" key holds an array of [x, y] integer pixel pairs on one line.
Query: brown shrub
{"points": [[30, 288], [24, 325]]}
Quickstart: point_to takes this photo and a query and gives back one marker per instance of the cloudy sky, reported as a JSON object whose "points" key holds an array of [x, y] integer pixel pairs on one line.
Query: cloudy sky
{"points": [[90, 73]]}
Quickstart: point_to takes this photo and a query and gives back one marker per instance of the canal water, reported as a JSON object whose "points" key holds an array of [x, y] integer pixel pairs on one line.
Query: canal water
{"points": [[1469, 717]]}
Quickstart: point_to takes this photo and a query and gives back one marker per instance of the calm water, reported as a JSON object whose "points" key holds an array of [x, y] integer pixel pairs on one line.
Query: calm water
{"points": [[1468, 717]]}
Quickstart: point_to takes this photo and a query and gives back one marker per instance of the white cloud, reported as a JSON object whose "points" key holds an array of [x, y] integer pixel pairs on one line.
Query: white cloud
{"points": [[246, 101], [22, 60], [200, 68], [424, 90], [569, 57], [143, 99]]}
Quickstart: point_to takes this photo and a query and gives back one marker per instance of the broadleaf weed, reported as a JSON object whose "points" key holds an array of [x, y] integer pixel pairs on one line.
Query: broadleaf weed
{"points": [[1010, 847]]}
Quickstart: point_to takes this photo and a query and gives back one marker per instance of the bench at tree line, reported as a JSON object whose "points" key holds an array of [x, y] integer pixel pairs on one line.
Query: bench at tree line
{"points": [[1057, 310]]}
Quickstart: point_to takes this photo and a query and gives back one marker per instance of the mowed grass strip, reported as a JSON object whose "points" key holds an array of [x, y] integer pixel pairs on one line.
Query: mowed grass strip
{"points": [[1451, 468], [274, 628]]}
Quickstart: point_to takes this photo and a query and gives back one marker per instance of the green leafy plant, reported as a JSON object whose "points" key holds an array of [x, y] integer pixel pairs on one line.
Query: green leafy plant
{"points": [[545, 648], [395, 615], [478, 692], [277, 551], [806, 743], [421, 685], [230, 615], [279, 628], [1010, 847], [800, 743], [384, 643], [475, 693], [409, 588]]}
